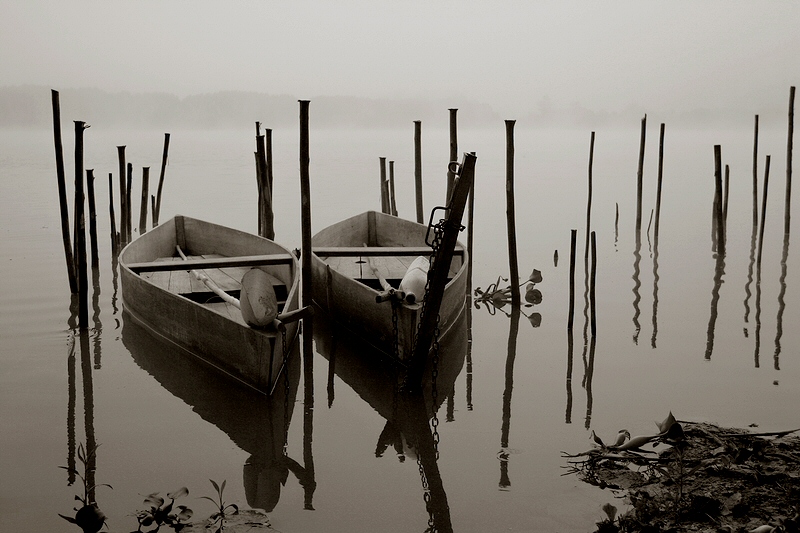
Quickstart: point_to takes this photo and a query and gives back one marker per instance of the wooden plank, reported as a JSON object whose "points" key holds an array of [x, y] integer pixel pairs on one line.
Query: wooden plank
{"points": [[215, 262], [376, 251], [179, 282], [222, 279], [349, 267]]}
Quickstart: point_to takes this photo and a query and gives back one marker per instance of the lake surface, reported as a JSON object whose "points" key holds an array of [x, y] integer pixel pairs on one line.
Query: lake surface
{"points": [[678, 329]]}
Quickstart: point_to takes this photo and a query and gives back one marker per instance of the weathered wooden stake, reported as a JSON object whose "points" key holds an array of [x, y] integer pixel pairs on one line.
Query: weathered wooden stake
{"points": [[589, 198], [92, 218], [789, 143], [62, 195], [308, 322], [153, 207], [80, 230], [384, 189], [164, 157], [639, 178], [510, 216], [393, 201], [265, 204], [129, 204], [725, 197], [268, 140], [418, 169], [145, 198], [453, 152], [123, 197], [571, 313], [755, 174], [718, 195], [763, 213], [658, 185], [112, 217]]}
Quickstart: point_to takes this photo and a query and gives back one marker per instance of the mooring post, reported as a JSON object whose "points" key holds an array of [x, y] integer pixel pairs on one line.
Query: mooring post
{"points": [[164, 156], [639, 178], [659, 182], [418, 169], [510, 215], [80, 230], [145, 198], [437, 275], [129, 204], [111, 215], [92, 218], [789, 143], [589, 198], [763, 212], [571, 312], [268, 140], [62, 194], [384, 190], [393, 201], [265, 205], [755, 174], [453, 152], [718, 195], [123, 199]]}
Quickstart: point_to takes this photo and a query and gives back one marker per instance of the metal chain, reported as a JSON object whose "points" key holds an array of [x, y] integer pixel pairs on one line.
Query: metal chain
{"points": [[395, 330]]}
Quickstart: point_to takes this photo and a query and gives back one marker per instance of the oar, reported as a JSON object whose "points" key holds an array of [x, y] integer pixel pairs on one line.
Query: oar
{"points": [[389, 292], [258, 303]]}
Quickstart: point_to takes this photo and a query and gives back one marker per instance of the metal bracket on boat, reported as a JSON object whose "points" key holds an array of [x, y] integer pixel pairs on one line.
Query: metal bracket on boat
{"points": [[292, 316], [439, 226], [391, 294]]}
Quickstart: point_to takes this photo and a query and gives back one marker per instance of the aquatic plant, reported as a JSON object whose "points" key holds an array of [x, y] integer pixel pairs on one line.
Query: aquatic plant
{"points": [[88, 517], [159, 512], [223, 510]]}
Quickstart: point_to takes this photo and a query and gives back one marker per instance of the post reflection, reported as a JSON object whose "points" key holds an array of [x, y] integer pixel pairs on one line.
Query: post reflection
{"points": [[256, 423], [513, 331], [781, 304], [409, 415]]}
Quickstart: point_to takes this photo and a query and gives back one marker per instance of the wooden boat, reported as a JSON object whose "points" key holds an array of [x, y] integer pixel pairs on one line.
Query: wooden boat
{"points": [[347, 256], [159, 292]]}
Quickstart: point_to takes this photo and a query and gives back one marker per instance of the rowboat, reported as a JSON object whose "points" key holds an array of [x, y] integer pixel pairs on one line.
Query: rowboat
{"points": [[183, 281], [354, 262]]}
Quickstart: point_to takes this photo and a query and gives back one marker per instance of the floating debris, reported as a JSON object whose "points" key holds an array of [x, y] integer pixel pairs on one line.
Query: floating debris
{"points": [[696, 477]]}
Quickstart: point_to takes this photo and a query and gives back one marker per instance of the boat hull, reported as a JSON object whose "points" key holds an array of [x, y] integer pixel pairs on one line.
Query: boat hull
{"points": [[347, 290], [213, 334]]}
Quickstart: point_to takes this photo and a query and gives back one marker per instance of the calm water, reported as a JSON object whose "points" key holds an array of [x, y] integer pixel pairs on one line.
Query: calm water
{"points": [[695, 336]]}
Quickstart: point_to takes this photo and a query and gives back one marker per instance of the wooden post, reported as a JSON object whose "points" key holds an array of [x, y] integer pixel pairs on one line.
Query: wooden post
{"points": [[571, 313], [129, 204], [392, 200], [453, 152], [384, 190], [145, 198], [92, 218], [80, 230], [437, 275], [265, 206], [164, 156], [658, 184], [755, 174], [589, 199], [789, 142], [268, 138], [725, 197], [123, 197], [639, 177], [153, 207], [112, 217], [720, 223], [62, 194], [510, 215], [763, 213], [418, 169]]}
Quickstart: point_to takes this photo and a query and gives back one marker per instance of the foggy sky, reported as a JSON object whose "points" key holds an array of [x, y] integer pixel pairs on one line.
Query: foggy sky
{"points": [[517, 56]]}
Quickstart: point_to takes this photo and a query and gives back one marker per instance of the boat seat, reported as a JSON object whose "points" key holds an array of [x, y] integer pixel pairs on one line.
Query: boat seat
{"points": [[212, 262], [377, 251]]}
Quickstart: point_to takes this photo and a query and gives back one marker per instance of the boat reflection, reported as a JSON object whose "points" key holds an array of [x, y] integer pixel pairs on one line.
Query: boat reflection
{"points": [[256, 423], [409, 415]]}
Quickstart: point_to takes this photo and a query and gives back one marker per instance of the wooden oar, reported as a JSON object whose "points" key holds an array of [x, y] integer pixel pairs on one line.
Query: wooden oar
{"points": [[258, 303], [389, 292]]}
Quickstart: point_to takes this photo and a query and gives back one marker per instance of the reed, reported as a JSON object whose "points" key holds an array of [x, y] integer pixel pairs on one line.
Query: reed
{"points": [[62, 194]]}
